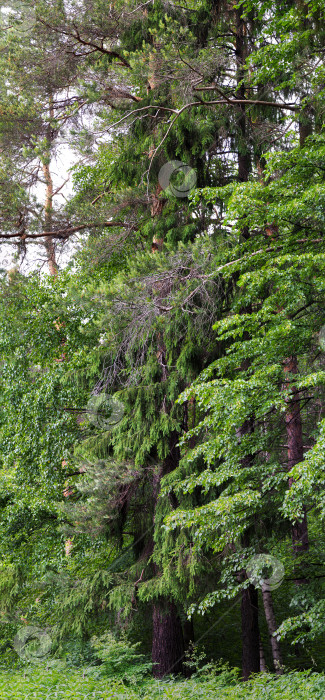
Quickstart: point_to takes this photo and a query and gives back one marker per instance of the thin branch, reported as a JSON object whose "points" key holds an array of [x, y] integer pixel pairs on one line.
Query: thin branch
{"points": [[149, 2], [62, 233], [84, 42], [142, 109], [60, 187], [281, 105]]}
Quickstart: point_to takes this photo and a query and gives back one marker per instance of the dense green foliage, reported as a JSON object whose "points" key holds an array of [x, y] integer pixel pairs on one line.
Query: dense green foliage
{"points": [[62, 685], [162, 389]]}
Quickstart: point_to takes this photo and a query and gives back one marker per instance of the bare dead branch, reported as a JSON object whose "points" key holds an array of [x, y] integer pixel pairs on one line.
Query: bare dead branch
{"points": [[62, 233]]}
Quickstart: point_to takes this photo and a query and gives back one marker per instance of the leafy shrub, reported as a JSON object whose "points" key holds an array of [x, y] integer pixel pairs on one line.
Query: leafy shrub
{"points": [[199, 667], [120, 659], [78, 653]]}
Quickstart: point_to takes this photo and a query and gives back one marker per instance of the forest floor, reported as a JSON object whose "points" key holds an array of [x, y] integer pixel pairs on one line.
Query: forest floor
{"points": [[64, 684]]}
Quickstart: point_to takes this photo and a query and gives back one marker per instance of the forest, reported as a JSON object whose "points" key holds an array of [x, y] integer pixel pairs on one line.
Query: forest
{"points": [[162, 349]]}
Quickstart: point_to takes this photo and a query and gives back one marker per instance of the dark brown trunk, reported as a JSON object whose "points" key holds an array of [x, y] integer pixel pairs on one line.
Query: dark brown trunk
{"points": [[167, 650], [293, 424], [249, 599], [244, 160], [272, 627], [250, 632], [305, 117], [167, 640], [167, 644], [293, 414]]}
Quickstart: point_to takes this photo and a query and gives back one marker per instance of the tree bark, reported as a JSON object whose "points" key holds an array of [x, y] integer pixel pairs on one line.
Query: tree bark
{"points": [[250, 632], [244, 159], [272, 627], [167, 641], [295, 448], [263, 668], [293, 420], [305, 117], [305, 126], [249, 600], [48, 209], [168, 644]]}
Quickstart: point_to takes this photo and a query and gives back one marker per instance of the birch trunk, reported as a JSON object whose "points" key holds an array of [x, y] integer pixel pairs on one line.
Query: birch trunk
{"points": [[272, 627]]}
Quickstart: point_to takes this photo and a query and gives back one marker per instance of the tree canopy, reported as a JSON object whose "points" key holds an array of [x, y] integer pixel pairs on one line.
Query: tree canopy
{"points": [[162, 330]]}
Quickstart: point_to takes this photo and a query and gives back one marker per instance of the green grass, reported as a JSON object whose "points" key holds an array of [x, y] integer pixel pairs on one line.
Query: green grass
{"points": [[54, 684]]}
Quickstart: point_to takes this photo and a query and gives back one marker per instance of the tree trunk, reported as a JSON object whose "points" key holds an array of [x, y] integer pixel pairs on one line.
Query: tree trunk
{"points": [[305, 126], [272, 627], [48, 209], [249, 600], [293, 414], [244, 159], [263, 668], [295, 453], [250, 632], [305, 117], [168, 643], [167, 640], [49, 243]]}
